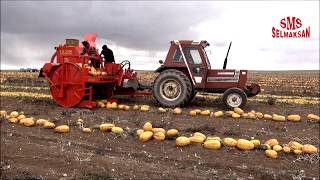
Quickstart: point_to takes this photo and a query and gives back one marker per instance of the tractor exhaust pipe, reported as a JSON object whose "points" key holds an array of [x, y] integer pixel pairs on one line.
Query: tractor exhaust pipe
{"points": [[226, 59]]}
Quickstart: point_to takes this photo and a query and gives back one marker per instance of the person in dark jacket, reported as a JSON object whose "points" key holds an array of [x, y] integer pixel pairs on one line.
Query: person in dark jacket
{"points": [[90, 51], [107, 54]]}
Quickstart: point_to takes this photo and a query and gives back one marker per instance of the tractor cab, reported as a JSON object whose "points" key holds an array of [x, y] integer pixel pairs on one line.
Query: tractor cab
{"points": [[188, 58]]}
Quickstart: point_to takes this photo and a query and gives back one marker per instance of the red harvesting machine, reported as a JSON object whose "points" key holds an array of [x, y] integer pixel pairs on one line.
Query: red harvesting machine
{"points": [[75, 80]]}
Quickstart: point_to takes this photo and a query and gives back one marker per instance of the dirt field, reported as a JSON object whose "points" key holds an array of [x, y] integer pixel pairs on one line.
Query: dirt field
{"points": [[37, 153]]}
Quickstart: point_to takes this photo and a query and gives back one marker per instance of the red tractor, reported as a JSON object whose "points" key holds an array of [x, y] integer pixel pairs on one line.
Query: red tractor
{"points": [[187, 70], [77, 79]]}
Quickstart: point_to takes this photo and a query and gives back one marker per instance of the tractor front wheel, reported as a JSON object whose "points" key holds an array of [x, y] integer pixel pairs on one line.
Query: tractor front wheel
{"points": [[172, 88], [234, 97]]}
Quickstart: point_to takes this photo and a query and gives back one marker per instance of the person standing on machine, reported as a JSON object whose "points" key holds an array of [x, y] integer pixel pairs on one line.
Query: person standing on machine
{"points": [[91, 51], [107, 54]]}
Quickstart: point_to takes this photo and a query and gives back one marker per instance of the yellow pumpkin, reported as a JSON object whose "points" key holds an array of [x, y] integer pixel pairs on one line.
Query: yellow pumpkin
{"points": [[271, 154], [255, 142], [313, 117], [251, 115], [182, 141], [13, 120], [49, 125], [140, 131], [276, 117], [309, 149], [40, 122], [218, 114], [267, 116], [126, 108], [198, 111], [159, 136], [172, 132], [245, 115], [145, 136], [145, 108], [106, 127], [297, 152], [295, 145], [147, 126], [3, 113], [62, 129], [236, 115], [212, 144], [277, 148], [117, 130], [158, 130], [205, 113], [109, 105], [28, 122], [136, 107], [21, 117], [294, 118], [229, 142], [162, 110], [121, 106], [259, 115], [177, 110], [286, 149], [199, 134], [238, 110], [86, 130], [244, 144], [272, 142], [14, 114], [101, 104], [80, 121], [193, 113], [196, 139]]}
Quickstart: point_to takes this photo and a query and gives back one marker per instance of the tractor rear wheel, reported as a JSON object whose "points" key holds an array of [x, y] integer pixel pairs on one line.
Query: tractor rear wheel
{"points": [[234, 97], [172, 88]]}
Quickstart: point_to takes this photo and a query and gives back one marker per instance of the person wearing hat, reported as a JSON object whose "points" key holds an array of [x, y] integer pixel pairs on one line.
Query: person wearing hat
{"points": [[107, 54]]}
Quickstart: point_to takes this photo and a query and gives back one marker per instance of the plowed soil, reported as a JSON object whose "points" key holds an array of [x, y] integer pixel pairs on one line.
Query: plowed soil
{"points": [[37, 153]]}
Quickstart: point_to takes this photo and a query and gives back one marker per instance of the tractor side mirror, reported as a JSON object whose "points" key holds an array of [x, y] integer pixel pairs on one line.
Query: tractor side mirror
{"points": [[160, 61]]}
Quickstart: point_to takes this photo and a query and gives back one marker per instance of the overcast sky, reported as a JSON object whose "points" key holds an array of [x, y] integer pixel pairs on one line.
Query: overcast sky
{"points": [[141, 31]]}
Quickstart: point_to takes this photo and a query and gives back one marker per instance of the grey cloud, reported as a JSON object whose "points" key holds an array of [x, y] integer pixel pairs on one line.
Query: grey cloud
{"points": [[147, 26], [140, 25]]}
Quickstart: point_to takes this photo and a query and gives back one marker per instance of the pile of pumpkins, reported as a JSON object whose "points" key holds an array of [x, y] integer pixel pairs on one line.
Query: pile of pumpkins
{"points": [[16, 117], [94, 72], [271, 146], [148, 132]]}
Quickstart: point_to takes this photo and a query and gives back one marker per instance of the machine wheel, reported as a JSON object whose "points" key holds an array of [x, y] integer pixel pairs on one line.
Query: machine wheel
{"points": [[172, 88], [67, 87], [234, 97]]}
